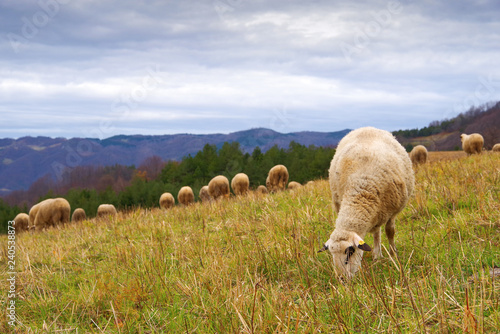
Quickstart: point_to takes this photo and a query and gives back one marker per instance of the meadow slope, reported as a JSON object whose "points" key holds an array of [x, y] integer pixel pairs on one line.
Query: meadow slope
{"points": [[250, 265]]}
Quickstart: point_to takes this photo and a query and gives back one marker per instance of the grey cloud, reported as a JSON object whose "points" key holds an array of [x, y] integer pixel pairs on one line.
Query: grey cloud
{"points": [[230, 64]]}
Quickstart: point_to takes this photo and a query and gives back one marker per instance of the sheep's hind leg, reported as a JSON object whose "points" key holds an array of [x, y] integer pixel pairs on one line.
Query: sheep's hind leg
{"points": [[389, 231], [377, 251]]}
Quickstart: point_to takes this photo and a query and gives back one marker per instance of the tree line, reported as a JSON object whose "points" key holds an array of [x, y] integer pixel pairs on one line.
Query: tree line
{"points": [[457, 123], [128, 187]]}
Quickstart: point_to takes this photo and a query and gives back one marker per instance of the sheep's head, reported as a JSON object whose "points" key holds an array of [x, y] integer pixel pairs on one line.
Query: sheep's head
{"points": [[347, 251], [462, 137]]}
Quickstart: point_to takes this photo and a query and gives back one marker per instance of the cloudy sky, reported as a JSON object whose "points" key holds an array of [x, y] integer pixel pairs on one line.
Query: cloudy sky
{"points": [[93, 68]]}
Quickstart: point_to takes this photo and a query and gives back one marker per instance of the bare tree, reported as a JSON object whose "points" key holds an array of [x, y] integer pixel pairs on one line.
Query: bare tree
{"points": [[152, 166]]}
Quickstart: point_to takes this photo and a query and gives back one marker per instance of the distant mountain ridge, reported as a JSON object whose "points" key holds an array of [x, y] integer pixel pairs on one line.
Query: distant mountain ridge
{"points": [[24, 160]]}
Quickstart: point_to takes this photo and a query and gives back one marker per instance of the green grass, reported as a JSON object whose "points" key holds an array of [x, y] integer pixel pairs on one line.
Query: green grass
{"points": [[251, 266]]}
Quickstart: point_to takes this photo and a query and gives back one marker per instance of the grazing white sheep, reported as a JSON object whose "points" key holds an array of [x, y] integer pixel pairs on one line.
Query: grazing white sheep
{"points": [[204, 195], [32, 215], [472, 143], [262, 190], [294, 185], [418, 155], [277, 178], [371, 179], [218, 187], [78, 215], [496, 148], [21, 222], [50, 212], [240, 184], [105, 210], [167, 201], [185, 195]]}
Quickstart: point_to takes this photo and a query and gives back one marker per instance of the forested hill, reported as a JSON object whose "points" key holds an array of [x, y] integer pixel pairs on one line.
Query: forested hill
{"points": [[27, 159], [444, 135], [128, 187]]}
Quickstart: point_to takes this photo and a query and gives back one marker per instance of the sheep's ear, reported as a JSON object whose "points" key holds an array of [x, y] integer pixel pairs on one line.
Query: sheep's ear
{"points": [[324, 248], [364, 246], [360, 243]]}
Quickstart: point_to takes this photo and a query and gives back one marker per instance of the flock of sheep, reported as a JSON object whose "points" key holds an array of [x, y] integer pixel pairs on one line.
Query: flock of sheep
{"points": [[218, 188], [55, 211], [371, 179], [471, 144]]}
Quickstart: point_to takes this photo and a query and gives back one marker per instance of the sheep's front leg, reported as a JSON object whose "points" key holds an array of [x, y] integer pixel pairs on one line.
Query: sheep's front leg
{"points": [[389, 231], [377, 251]]}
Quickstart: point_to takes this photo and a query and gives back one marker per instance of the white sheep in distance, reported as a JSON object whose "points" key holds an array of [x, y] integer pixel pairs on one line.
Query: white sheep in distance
{"points": [[106, 210], [262, 190], [240, 184], [204, 195], [418, 155], [21, 222], [218, 187], [49, 212], [167, 201], [78, 215], [294, 185], [185, 195], [32, 215], [277, 178], [496, 148], [371, 179], [472, 143]]}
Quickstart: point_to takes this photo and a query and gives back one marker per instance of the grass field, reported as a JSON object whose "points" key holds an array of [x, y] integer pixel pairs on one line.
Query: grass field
{"points": [[434, 156], [250, 265]]}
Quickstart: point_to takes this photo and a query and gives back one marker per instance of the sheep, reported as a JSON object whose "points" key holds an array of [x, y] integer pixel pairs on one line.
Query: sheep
{"points": [[50, 212], [294, 185], [418, 155], [185, 196], [78, 215], [105, 210], [240, 184], [167, 201], [262, 190], [277, 178], [472, 143], [21, 222], [496, 148], [204, 195], [32, 215], [218, 187], [371, 179]]}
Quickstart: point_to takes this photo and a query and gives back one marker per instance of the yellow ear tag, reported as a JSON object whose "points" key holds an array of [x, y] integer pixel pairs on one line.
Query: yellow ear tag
{"points": [[361, 242]]}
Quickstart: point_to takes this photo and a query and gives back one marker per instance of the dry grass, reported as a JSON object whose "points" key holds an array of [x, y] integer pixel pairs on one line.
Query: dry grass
{"points": [[249, 265], [445, 155]]}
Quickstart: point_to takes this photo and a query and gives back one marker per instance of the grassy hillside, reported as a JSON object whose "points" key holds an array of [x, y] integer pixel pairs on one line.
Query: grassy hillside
{"points": [[444, 135], [251, 266], [437, 142]]}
